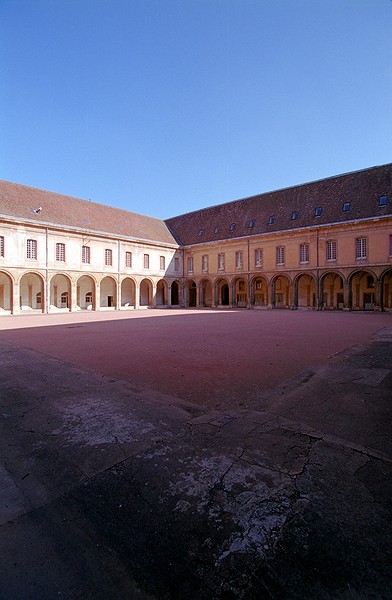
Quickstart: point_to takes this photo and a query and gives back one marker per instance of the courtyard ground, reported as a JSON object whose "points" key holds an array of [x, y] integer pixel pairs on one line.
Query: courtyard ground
{"points": [[196, 454]]}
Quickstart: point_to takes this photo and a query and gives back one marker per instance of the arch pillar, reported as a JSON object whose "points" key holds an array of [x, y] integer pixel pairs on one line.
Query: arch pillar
{"points": [[154, 294], [378, 295], [15, 299], [73, 301], [347, 295], [97, 300]]}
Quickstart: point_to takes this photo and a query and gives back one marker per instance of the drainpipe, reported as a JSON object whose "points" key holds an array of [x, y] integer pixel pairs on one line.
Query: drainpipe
{"points": [[118, 299], [47, 298], [249, 298], [317, 271]]}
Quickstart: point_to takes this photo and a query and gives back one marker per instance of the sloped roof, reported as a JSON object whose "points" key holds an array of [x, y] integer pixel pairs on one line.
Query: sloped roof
{"points": [[19, 202], [362, 189]]}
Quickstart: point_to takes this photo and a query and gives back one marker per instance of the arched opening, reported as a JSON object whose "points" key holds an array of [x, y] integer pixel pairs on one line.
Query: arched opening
{"points": [[161, 293], [305, 292], [85, 293], [128, 293], [175, 294], [362, 290], [108, 293], [191, 289], [222, 293], [32, 292], [240, 293], [5, 293], [206, 293], [387, 291], [60, 293], [260, 292], [145, 293], [332, 292], [281, 292]]}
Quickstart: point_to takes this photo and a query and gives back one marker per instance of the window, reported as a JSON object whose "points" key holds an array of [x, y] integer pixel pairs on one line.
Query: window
{"points": [[204, 263], [108, 257], [128, 260], [346, 206], [217, 229], [331, 250], [146, 261], [304, 253], [221, 262], [60, 252], [239, 260], [201, 231], [318, 211], [32, 249], [232, 227], [258, 257], [361, 248], [382, 201], [280, 255], [251, 224], [294, 215], [162, 263], [271, 220], [390, 245], [86, 255], [370, 281], [176, 264], [190, 264], [2, 246]]}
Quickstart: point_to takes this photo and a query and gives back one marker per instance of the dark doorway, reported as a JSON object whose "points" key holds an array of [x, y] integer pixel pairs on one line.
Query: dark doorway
{"points": [[174, 293], [225, 295]]}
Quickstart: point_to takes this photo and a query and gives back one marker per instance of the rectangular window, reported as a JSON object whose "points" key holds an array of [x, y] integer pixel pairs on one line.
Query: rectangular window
{"points": [[176, 264], [258, 257], [204, 263], [86, 255], [304, 253], [162, 263], [108, 257], [2, 246], [60, 252], [361, 248], [239, 260], [32, 249], [190, 265], [331, 250], [128, 260], [146, 261], [221, 262], [280, 255]]}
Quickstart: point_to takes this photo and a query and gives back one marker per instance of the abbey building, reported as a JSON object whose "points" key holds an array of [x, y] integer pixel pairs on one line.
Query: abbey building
{"points": [[325, 245]]}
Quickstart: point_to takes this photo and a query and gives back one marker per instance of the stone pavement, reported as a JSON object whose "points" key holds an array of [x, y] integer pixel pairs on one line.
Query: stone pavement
{"points": [[109, 491]]}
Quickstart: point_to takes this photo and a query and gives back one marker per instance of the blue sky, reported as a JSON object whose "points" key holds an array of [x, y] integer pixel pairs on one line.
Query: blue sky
{"points": [[165, 106]]}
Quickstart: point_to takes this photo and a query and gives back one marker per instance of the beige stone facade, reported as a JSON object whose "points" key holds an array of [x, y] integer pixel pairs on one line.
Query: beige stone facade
{"points": [[326, 245]]}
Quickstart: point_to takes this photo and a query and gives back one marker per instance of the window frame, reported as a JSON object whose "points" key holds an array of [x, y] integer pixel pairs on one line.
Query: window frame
{"points": [[108, 257], [239, 260], [190, 265], [304, 253], [361, 248], [128, 259], [221, 261], [60, 252], [204, 263], [86, 255], [331, 250], [146, 261], [2, 246], [162, 263], [280, 255], [31, 249], [258, 257]]}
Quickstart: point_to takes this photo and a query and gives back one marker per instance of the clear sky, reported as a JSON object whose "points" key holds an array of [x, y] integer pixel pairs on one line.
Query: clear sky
{"points": [[165, 106]]}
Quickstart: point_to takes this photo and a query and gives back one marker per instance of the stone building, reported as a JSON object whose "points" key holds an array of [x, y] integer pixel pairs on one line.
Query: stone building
{"points": [[321, 245]]}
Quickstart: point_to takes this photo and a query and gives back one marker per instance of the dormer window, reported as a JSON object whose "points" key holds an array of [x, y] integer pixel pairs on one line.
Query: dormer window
{"points": [[232, 227], [346, 206], [251, 224], [294, 215], [382, 201], [217, 229], [201, 232], [271, 220], [318, 211]]}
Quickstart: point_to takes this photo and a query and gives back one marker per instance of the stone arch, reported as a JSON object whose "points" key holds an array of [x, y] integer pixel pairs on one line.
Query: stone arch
{"points": [[191, 293], [222, 292], [281, 291], [362, 287], [332, 291], [161, 293], [386, 290], [85, 293], [60, 292], [31, 292], [6, 292], [108, 292], [206, 296], [259, 291], [175, 293], [305, 291], [145, 292], [240, 292], [128, 293]]}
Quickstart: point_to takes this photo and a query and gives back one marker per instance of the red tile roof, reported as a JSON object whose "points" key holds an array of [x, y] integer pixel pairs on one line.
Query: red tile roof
{"points": [[362, 189], [20, 201]]}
